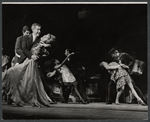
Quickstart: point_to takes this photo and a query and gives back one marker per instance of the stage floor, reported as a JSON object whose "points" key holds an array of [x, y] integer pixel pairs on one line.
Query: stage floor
{"points": [[99, 111]]}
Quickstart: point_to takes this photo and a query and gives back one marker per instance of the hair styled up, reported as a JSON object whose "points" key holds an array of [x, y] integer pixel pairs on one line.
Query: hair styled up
{"points": [[25, 28], [34, 25], [112, 50], [50, 63], [69, 50]]}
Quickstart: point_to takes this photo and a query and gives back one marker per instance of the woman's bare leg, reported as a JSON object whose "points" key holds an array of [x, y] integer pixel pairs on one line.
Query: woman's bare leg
{"points": [[136, 95], [119, 94], [130, 96], [134, 92], [77, 92]]}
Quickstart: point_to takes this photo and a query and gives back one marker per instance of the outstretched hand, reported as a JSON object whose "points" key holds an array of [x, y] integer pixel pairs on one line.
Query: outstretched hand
{"points": [[70, 54], [45, 45], [50, 74], [34, 57], [57, 66], [124, 66], [102, 63]]}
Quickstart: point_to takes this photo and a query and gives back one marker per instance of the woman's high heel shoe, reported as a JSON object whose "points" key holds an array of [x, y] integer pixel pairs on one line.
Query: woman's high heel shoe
{"points": [[82, 101], [117, 103], [141, 102], [130, 102]]}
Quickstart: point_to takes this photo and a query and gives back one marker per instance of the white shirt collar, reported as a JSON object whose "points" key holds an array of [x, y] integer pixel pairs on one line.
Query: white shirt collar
{"points": [[34, 37]]}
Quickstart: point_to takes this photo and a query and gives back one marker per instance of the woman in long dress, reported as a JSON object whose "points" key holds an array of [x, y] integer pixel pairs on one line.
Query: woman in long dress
{"points": [[23, 83], [120, 76]]}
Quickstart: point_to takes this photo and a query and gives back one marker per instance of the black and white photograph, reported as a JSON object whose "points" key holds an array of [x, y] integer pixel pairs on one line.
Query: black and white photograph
{"points": [[74, 61]]}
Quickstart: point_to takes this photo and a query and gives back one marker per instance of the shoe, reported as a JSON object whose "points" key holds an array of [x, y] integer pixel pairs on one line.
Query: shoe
{"points": [[145, 101], [51, 102], [117, 103], [19, 104], [82, 101], [108, 102], [130, 102], [141, 102], [4, 98], [64, 101], [54, 101], [9, 101], [86, 102]]}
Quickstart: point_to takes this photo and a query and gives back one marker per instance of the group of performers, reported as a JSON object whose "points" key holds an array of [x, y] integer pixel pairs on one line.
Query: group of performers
{"points": [[25, 82]]}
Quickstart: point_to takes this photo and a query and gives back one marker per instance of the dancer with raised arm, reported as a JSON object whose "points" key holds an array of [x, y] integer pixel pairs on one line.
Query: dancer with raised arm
{"points": [[68, 78]]}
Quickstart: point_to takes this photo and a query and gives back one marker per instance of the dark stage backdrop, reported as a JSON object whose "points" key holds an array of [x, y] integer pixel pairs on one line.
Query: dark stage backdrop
{"points": [[91, 30]]}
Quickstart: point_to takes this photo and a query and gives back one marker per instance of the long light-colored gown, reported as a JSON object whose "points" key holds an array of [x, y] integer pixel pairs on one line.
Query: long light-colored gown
{"points": [[5, 60], [23, 82]]}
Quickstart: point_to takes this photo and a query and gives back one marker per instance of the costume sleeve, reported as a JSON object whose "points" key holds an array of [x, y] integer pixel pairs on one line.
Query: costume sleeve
{"points": [[25, 49], [129, 57], [18, 48], [126, 59]]}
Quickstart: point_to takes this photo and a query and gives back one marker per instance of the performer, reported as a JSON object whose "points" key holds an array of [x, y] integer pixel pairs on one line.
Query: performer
{"points": [[120, 76], [66, 88], [126, 59], [68, 78], [48, 82], [5, 61], [82, 83], [23, 83], [52, 78], [78, 74], [18, 47]]}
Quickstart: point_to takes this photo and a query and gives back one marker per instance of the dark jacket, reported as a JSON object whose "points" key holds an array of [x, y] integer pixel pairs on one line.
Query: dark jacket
{"points": [[27, 44], [18, 49]]}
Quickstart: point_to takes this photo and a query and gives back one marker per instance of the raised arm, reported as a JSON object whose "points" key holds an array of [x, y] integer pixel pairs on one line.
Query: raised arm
{"points": [[58, 66]]}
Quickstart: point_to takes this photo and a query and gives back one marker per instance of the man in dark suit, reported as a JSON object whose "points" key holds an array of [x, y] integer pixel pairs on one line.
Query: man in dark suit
{"points": [[18, 46], [29, 41]]}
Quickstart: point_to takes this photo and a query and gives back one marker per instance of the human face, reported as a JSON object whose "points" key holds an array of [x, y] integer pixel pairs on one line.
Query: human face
{"points": [[36, 31], [47, 39], [115, 54], [26, 32], [66, 52], [56, 62]]}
